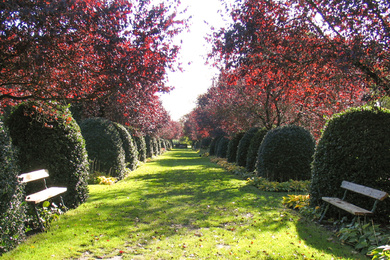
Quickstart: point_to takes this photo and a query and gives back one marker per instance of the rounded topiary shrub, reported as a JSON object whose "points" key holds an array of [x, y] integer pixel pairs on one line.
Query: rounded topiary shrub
{"points": [[232, 147], [149, 146], [205, 143], [105, 147], [286, 154], [141, 147], [243, 146], [12, 208], [253, 149], [48, 137], [131, 153], [157, 144], [213, 146], [222, 146], [354, 146]]}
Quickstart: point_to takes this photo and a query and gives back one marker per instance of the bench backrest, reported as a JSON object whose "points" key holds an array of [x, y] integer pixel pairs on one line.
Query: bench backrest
{"points": [[370, 192], [33, 176]]}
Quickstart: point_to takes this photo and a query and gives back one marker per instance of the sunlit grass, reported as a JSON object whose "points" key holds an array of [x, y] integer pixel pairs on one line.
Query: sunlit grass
{"points": [[182, 206]]}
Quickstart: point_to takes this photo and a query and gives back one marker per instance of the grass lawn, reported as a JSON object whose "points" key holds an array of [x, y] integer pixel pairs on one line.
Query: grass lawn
{"points": [[181, 206]]}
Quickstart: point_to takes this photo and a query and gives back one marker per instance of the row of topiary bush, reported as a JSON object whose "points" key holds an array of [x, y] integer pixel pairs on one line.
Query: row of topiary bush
{"points": [[37, 136], [354, 146]]}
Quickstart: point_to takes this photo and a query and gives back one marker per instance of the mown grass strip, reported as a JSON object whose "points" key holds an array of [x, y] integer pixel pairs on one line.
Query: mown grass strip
{"points": [[182, 206]]}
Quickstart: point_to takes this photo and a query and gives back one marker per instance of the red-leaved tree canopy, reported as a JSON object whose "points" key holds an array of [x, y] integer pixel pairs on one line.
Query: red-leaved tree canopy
{"points": [[296, 61], [77, 49]]}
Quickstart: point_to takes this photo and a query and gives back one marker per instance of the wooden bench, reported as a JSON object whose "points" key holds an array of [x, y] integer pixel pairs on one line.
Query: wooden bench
{"points": [[353, 209], [42, 195]]}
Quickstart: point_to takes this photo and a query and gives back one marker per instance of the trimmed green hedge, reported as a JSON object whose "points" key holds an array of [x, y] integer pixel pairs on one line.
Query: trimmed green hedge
{"points": [[105, 147], [149, 146], [253, 149], [286, 154], [131, 153], [48, 137], [222, 146], [354, 146], [213, 146], [141, 147], [12, 208], [233, 146], [243, 146]]}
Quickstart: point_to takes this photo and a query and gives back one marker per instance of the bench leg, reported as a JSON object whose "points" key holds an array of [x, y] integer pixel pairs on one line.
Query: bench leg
{"points": [[323, 213], [63, 204], [39, 218]]}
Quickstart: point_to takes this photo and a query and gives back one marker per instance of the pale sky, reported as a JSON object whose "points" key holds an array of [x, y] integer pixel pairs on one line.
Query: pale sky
{"points": [[197, 77]]}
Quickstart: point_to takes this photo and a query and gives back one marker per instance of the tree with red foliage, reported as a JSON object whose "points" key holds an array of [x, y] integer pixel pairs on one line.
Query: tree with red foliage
{"points": [[173, 130], [277, 69], [358, 34], [81, 50]]}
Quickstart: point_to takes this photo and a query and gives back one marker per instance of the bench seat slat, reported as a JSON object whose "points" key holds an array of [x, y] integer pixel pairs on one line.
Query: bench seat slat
{"points": [[33, 176], [370, 192], [355, 210], [45, 194]]}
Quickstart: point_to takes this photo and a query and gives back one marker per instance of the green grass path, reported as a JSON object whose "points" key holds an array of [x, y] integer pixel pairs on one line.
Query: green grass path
{"points": [[182, 206]]}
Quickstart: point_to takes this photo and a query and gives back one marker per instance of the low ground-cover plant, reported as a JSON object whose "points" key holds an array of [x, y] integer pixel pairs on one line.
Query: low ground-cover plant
{"points": [[380, 253], [106, 180], [302, 204], [48, 213], [287, 186], [364, 237], [260, 182]]}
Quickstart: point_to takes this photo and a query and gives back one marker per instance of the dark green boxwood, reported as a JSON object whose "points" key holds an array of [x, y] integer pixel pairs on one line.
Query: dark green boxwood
{"points": [[222, 146], [286, 154], [131, 153], [105, 147], [205, 143], [354, 146], [213, 146], [253, 149], [158, 146], [232, 147], [12, 208], [243, 146], [48, 137], [149, 146], [141, 147]]}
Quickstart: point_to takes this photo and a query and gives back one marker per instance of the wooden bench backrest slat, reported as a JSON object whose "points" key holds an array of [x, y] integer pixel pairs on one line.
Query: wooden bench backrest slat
{"points": [[33, 176], [370, 192]]}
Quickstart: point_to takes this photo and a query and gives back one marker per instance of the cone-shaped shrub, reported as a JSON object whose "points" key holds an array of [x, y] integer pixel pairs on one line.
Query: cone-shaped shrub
{"points": [[157, 145], [222, 146], [48, 137], [286, 154], [354, 146], [232, 147], [141, 147], [253, 149], [131, 153], [12, 209], [149, 146], [243, 146], [213, 145], [205, 143], [105, 147]]}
